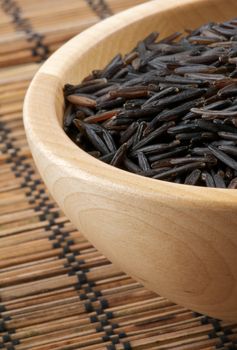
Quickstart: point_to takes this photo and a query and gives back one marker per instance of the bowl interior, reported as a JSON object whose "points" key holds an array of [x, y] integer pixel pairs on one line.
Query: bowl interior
{"points": [[124, 32], [189, 15], [93, 49]]}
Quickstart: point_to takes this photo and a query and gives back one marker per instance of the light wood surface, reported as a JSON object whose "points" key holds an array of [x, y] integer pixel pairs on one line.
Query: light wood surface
{"points": [[180, 241]]}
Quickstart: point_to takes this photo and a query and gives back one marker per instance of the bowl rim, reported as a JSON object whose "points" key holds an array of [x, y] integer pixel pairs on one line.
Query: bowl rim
{"points": [[114, 176]]}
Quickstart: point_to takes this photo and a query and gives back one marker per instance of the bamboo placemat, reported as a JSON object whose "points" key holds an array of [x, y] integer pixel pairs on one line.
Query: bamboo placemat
{"points": [[56, 291]]}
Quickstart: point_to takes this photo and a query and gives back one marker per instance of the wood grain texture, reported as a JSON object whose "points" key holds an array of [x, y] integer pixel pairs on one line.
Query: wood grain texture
{"points": [[177, 240]]}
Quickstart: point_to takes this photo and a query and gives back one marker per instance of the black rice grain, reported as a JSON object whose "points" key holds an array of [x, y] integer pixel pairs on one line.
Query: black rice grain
{"points": [[166, 110]]}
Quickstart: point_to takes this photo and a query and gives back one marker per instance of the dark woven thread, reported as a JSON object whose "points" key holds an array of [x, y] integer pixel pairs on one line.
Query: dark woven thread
{"points": [[25, 172], [126, 346], [63, 241], [218, 333], [2, 320], [87, 294], [106, 326], [7, 342], [100, 7], [12, 8]]}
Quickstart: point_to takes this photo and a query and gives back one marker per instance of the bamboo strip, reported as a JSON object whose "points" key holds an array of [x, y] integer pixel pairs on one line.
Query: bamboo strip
{"points": [[22, 228], [13, 86], [38, 294], [34, 235], [77, 322], [12, 108], [66, 20], [18, 73]]}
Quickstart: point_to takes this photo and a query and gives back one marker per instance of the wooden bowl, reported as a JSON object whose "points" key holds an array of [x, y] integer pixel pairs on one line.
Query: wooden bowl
{"points": [[178, 240]]}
